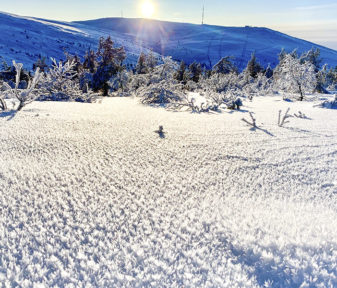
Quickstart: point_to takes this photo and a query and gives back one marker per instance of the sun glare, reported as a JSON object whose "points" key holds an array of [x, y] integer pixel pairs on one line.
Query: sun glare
{"points": [[147, 9]]}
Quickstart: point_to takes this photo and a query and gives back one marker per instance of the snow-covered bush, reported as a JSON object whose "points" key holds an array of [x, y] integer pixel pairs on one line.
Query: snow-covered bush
{"points": [[332, 104], [3, 104], [139, 80], [159, 86], [163, 92], [60, 85], [29, 93], [220, 83], [234, 104], [292, 76], [120, 82], [201, 101], [260, 85]]}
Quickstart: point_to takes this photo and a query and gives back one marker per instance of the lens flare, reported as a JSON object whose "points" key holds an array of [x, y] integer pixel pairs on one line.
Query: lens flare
{"points": [[147, 9]]}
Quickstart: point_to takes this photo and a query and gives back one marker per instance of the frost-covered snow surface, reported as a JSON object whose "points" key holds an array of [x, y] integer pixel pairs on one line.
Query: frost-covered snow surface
{"points": [[91, 195]]}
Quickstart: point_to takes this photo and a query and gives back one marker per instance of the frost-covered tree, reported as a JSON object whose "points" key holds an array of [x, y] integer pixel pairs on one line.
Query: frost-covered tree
{"points": [[108, 54], [90, 61], [331, 79], [30, 93], [141, 67], [225, 66], [151, 61], [78, 66], [40, 63], [4, 66], [313, 57], [322, 80], [295, 77], [282, 55], [110, 63]]}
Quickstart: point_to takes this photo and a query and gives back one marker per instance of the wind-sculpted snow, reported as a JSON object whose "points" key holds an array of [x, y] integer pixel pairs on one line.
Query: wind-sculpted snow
{"points": [[91, 195]]}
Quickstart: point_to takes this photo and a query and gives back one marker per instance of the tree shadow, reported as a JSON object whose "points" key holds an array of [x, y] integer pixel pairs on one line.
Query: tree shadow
{"points": [[233, 111], [263, 271], [263, 130], [8, 114], [278, 273], [161, 133]]}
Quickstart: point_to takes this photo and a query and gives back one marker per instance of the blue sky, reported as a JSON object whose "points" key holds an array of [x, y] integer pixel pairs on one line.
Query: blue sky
{"points": [[311, 20]]}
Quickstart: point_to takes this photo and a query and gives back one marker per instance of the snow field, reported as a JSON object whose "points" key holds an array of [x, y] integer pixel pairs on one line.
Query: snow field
{"points": [[92, 197]]}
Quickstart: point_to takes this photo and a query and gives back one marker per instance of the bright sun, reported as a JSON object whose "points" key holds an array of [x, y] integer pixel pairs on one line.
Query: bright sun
{"points": [[147, 9]]}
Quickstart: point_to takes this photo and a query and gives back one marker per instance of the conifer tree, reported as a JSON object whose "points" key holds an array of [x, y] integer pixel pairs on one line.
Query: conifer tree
{"points": [[181, 74], [196, 71], [253, 67], [111, 59], [90, 62], [269, 72]]}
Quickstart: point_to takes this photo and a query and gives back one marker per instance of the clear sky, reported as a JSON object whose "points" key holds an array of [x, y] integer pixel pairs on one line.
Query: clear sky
{"points": [[313, 20]]}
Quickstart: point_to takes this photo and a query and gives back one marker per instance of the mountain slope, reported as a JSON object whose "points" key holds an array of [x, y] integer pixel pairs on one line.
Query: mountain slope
{"points": [[206, 43], [24, 38]]}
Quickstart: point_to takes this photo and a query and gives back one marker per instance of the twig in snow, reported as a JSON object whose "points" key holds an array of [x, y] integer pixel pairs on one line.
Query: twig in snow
{"points": [[300, 115], [282, 119], [253, 123]]}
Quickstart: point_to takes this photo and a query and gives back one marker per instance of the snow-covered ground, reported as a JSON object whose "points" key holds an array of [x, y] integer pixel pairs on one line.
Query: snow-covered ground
{"points": [[90, 194]]}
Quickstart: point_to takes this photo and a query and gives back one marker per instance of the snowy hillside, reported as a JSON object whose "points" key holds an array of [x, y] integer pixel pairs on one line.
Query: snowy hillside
{"points": [[91, 195], [24, 38], [207, 44]]}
